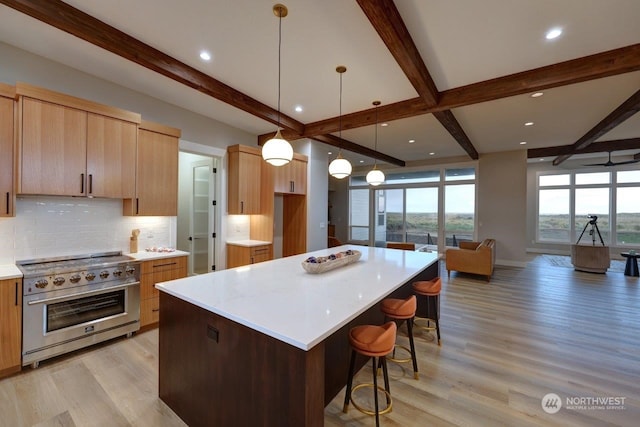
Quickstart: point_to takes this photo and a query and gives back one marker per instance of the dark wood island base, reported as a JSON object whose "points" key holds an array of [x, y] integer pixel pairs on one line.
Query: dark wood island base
{"points": [[216, 372]]}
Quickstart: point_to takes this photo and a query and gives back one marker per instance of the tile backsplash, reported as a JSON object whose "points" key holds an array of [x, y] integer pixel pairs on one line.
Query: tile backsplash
{"points": [[58, 226]]}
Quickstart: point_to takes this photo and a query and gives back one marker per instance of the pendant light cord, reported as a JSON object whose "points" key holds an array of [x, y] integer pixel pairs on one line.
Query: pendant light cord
{"points": [[279, 64]]}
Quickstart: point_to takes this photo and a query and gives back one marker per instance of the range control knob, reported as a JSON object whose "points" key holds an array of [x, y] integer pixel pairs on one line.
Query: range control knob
{"points": [[130, 270], [117, 273], [41, 284], [104, 274], [90, 276], [58, 281], [75, 278]]}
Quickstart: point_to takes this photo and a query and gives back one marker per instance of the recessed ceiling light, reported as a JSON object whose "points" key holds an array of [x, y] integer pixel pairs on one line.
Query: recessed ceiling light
{"points": [[298, 108], [361, 161], [542, 160], [205, 56], [329, 153], [553, 33], [529, 124], [523, 142], [537, 94], [411, 141], [384, 124], [432, 153]]}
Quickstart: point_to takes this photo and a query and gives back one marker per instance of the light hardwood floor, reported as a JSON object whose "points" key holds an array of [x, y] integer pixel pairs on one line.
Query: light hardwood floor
{"points": [[505, 345]]}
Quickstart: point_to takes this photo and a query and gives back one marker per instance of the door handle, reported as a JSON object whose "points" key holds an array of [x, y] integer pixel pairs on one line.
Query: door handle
{"points": [[241, 207], [90, 183], [7, 203], [81, 183]]}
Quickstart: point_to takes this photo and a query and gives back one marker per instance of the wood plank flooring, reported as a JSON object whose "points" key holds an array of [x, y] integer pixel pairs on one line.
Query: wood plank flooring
{"points": [[529, 332]]}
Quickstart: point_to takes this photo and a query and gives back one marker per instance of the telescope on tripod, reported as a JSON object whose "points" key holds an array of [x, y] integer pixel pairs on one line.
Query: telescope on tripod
{"points": [[593, 222]]}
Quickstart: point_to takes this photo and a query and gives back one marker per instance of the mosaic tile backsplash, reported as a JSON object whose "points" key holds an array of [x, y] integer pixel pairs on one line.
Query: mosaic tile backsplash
{"points": [[58, 226]]}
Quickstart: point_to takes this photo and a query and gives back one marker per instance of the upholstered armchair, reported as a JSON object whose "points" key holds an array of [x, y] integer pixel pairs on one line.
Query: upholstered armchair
{"points": [[472, 257]]}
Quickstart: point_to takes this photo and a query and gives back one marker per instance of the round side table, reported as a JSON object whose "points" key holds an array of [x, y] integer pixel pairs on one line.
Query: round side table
{"points": [[631, 268]]}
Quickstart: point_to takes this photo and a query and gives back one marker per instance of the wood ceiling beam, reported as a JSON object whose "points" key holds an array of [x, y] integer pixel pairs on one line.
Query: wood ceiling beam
{"points": [[627, 109], [356, 148], [636, 156], [592, 67], [596, 147], [448, 120], [77, 23], [386, 20]]}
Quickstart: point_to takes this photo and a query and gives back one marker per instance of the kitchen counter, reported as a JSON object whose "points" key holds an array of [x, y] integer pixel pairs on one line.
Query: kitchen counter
{"points": [[267, 344], [9, 271], [247, 243]]}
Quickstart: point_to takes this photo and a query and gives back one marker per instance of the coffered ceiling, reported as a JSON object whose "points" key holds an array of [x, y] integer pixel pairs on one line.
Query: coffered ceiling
{"points": [[454, 76]]}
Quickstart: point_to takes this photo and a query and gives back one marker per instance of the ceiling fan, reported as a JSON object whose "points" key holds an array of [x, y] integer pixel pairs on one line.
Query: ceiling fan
{"points": [[610, 163]]}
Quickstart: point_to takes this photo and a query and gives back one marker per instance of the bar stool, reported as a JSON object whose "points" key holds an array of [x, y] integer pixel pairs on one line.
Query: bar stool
{"points": [[431, 290], [402, 309], [375, 342]]}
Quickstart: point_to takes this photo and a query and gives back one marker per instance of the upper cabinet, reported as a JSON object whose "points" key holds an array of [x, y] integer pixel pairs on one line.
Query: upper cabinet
{"points": [[156, 172], [244, 166], [71, 147], [7, 139], [292, 177]]}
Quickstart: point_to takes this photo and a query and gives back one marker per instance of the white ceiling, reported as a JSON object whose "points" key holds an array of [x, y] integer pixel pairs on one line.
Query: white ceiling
{"points": [[460, 41]]}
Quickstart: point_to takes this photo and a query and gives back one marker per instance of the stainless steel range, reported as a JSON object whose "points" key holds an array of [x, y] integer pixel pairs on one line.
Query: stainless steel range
{"points": [[72, 302]]}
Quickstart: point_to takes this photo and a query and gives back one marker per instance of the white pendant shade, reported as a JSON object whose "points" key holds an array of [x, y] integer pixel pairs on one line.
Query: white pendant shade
{"points": [[277, 151], [375, 177], [340, 168]]}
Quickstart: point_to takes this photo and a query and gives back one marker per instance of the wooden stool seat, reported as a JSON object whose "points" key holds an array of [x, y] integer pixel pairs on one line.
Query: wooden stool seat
{"points": [[428, 287], [403, 309], [375, 342]]}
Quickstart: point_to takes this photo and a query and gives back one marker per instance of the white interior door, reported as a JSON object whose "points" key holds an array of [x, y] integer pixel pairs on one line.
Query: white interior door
{"points": [[202, 233]]}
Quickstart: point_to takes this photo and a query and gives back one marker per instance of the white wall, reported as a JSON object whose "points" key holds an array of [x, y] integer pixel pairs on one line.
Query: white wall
{"points": [[317, 194], [502, 202]]}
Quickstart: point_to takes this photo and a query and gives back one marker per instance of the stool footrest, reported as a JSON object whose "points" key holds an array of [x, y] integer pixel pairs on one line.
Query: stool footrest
{"points": [[367, 411]]}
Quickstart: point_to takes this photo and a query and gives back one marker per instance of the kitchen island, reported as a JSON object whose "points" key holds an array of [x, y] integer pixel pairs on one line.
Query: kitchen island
{"points": [[267, 344]]}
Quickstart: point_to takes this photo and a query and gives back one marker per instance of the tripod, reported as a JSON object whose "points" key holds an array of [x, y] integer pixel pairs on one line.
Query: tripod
{"points": [[594, 226]]}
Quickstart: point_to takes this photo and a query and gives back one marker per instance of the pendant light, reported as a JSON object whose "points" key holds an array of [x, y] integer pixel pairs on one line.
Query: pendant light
{"points": [[375, 175], [340, 167], [277, 151]]}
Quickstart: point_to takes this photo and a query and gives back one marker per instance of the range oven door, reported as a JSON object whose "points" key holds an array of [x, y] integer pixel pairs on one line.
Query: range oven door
{"points": [[58, 322]]}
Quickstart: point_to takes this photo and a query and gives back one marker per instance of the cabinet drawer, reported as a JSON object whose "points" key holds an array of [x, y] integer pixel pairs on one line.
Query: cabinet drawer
{"points": [[260, 250], [149, 311], [164, 264]]}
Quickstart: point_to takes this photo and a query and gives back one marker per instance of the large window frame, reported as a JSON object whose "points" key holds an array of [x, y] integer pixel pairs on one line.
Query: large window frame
{"points": [[440, 179], [577, 186]]}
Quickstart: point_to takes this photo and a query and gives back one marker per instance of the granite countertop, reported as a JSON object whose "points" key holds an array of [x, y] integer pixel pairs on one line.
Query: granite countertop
{"points": [[280, 299], [247, 242]]}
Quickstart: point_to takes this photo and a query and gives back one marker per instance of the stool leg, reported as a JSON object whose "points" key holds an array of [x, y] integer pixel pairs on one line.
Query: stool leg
{"points": [[413, 347], [347, 395], [375, 389], [437, 317], [386, 380]]}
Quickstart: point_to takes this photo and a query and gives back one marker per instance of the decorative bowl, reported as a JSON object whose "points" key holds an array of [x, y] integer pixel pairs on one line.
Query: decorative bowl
{"points": [[316, 265]]}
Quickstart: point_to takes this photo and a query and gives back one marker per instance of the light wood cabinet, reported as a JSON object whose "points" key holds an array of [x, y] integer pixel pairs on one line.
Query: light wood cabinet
{"points": [[243, 183], [152, 272], [7, 139], [156, 172], [10, 326], [238, 256], [292, 177], [72, 147]]}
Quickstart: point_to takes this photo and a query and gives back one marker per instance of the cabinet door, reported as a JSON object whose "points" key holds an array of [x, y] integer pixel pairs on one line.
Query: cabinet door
{"points": [[111, 157], [10, 325], [54, 143], [157, 174], [244, 183], [298, 171], [237, 256], [6, 156], [260, 254]]}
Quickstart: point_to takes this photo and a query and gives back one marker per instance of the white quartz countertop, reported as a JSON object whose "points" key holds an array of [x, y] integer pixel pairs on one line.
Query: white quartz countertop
{"points": [[148, 256], [9, 271], [280, 299], [247, 242]]}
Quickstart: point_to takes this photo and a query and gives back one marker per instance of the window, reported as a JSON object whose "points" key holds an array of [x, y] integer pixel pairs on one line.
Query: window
{"points": [[585, 207], [409, 208]]}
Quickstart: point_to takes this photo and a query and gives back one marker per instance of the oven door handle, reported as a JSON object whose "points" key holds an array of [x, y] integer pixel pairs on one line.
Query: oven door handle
{"points": [[80, 294]]}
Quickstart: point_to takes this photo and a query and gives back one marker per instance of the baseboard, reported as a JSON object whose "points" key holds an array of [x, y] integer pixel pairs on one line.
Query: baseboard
{"points": [[548, 251]]}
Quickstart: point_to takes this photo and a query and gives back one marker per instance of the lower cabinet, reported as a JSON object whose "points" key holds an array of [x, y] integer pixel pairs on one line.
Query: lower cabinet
{"points": [[243, 255], [152, 272], [10, 326]]}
